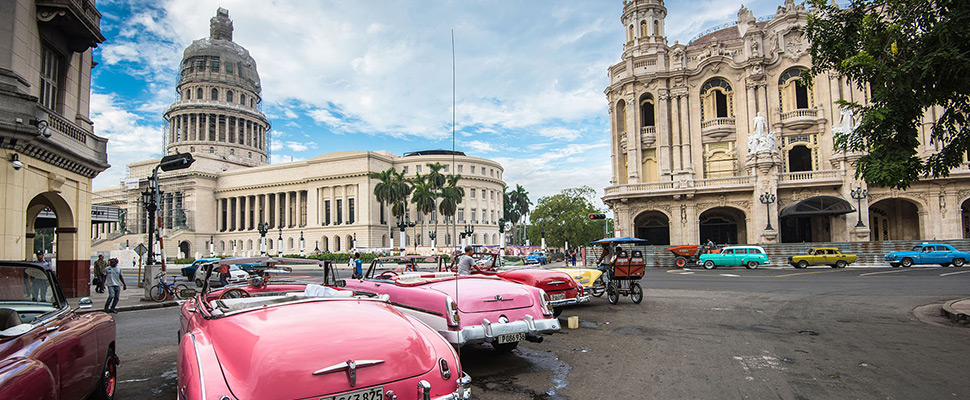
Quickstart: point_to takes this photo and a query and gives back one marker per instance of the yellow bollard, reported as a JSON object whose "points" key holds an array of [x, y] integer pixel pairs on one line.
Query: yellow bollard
{"points": [[573, 322]]}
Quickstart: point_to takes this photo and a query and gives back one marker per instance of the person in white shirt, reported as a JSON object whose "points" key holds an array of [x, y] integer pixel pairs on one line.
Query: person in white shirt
{"points": [[466, 263], [115, 283]]}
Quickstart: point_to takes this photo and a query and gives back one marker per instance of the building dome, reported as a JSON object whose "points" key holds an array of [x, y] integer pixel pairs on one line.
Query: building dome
{"points": [[218, 111]]}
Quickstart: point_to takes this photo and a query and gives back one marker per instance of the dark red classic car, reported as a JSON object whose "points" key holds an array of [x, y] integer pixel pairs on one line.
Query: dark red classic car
{"points": [[47, 350]]}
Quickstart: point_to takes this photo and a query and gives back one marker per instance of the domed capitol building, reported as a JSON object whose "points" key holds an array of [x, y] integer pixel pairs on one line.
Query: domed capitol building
{"points": [[219, 201], [719, 139]]}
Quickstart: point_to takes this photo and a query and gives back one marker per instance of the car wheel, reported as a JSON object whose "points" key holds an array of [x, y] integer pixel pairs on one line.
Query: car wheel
{"points": [[958, 262], [841, 264], [109, 379], [906, 262], [636, 292], [198, 282], [752, 265], [680, 262], [709, 264], [612, 294], [598, 287], [802, 264], [505, 347]]}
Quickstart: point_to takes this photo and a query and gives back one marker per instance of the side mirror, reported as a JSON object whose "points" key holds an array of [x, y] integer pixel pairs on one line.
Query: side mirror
{"points": [[187, 292], [340, 283], [85, 303]]}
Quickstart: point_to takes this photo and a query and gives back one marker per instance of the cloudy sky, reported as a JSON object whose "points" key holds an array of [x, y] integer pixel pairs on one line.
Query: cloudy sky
{"points": [[376, 75]]}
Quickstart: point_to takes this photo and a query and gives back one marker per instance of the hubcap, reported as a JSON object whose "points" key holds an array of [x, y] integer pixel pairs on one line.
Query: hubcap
{"points": [[109, 380]]}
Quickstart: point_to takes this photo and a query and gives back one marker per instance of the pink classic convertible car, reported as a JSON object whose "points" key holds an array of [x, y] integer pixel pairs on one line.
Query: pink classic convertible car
{"points": [[466, 309], [283, 340], [47, 350]]}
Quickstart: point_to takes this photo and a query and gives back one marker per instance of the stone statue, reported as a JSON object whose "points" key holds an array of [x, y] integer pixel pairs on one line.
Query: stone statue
{"points": [[760, 125], [760, 140], [754, 142], [846, 125], [768, 143]]}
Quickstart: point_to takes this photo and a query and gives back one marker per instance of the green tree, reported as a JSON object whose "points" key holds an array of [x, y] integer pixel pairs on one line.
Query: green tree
{"points": [[451, 196], [565, 217], [423, 197], [386, 194], [909, 55], [519, 204]]}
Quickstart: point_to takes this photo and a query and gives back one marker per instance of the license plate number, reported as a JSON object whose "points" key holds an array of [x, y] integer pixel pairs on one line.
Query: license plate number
{"points": [[558, 296], [374, 393], [511, 338]]}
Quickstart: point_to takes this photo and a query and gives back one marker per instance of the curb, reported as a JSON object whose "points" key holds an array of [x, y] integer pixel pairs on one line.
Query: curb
{"points": [[954, 315], [137, 307]]}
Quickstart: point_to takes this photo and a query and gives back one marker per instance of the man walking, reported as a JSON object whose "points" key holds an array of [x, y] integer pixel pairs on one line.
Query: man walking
{"points": [[115, 283], [99, 267], [358, 266]]}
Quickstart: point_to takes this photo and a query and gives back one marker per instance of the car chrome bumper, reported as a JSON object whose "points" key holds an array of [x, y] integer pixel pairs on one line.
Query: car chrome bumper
{"points": [[464, 391], [490, 331], [569, 302]]}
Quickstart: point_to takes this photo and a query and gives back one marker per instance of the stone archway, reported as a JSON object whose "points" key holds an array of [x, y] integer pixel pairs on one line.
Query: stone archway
{"points": [[894, 219], [184, 249], [336, 243], [723, 225], [72, 274], [652, 226], [325, 244]]}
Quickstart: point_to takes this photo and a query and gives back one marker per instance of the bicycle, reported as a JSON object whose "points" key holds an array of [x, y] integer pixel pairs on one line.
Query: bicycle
{"points": [[163, 290]]}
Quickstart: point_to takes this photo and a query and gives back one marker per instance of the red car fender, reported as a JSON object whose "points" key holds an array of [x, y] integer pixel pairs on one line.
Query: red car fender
{"points": [[26, 379], [199, 370]]}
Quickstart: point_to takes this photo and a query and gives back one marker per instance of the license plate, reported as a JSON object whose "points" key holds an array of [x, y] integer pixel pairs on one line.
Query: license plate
{"points": [[511, 338], [374, 393], [558, 296]]}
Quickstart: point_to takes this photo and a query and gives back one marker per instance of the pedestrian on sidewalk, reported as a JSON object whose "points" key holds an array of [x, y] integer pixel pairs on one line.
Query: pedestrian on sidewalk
{"points": [[115, 283], [99, 267], [224, 274], [358, 266], [39, 285], [573, 256]]}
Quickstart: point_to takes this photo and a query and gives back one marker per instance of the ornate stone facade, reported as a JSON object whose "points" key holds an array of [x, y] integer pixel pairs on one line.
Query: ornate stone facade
{"points": [[701, 132], [221, 199]]}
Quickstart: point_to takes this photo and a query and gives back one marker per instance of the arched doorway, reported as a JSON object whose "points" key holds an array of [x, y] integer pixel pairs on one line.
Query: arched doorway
{"points": [[723, 225], [184, 248], [57, 225], [336, 243], [350, 242], [325, 244], [652, 226], [894, 219], [810, 220]]}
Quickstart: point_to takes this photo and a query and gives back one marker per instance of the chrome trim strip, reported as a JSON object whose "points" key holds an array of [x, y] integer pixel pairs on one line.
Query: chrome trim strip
{"points": [[346, 364], [198, 362]]}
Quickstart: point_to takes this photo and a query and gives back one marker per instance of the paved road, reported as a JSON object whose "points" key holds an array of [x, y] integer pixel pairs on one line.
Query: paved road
{"points": [[727, 333]]}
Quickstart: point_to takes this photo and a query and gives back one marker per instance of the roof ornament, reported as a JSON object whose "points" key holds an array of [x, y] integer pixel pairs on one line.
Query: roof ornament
{"points": [[220, 26]]}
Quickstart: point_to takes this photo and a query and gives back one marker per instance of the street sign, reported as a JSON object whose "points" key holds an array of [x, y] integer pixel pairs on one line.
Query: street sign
{"points": [[141, 249]]}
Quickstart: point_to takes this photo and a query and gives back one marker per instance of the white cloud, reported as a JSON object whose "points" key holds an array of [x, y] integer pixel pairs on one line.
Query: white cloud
{"points": [[130, 137], [298, 146], [479, 146], [559, 133]]}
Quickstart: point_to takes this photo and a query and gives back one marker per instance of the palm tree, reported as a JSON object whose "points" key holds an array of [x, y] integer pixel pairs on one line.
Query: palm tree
{"points": [[451, 196], [509, 210], [402, 191], [385, 192], [437, 181], [521, 202], [424, 196]]}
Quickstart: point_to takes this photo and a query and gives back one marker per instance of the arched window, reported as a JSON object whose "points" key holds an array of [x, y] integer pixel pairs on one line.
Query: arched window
{"points": [[799, 159], [229, 95], [643, 28], [717, 100], [289, 243], [198, 93], [629, 35], [242, 99], [215, 94], [188, 94], [794, 94], [656, 28], [620, 116], [647, 114]]}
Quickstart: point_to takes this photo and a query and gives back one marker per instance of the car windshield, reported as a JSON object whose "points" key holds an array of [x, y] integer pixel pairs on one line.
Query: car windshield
{"points": [[25, 285], [917, 248]]}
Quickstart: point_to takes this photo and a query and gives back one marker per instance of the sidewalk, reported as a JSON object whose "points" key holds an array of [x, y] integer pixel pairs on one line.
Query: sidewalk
{"points": [[957, 310], [130, 300]]}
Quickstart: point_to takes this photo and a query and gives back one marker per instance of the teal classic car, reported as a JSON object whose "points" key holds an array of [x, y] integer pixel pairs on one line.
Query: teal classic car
{"points": [[928, 253], [748, 256]]}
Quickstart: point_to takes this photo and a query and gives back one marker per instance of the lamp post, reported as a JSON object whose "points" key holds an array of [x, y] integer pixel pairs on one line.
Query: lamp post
{"points": [[858, 194], [469, 230], [767, 199], [316, 247], [414, 234], [501, 231], [542, 235], [212, 246], [148, 200], [263, 228], [431, 238], [279, 244], [302, 245]]}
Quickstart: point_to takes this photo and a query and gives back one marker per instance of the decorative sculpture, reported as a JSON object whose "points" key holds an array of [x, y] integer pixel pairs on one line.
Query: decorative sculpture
{"points": [[760, 140], [846, 125]]}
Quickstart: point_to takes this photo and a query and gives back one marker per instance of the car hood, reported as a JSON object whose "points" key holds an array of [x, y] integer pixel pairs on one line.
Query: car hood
{"points": [[541, 278], [271, 353], [475, 294]]}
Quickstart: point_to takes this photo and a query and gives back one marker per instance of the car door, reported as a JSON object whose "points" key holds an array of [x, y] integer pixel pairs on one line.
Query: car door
{"points": [[78, 355], [728, 257]]}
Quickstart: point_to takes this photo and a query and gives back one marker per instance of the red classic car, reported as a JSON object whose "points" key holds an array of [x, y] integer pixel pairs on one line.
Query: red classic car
{"points": [[466, 309], [47, 350], [561, 288], [283, 340]]}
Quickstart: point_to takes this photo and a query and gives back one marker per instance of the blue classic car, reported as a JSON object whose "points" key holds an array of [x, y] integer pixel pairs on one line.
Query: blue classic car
{"points": [[189, 271], [748, 256], [536, 257], [928, 253]]}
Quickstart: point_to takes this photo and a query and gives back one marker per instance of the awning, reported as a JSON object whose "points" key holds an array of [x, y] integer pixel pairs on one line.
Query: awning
{"points": [[818, 205]]}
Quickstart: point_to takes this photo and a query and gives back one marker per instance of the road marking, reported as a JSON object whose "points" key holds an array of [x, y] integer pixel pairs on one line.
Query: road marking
{"points": [[884, 272], [954, 273], [731, 275], [807, 273]]}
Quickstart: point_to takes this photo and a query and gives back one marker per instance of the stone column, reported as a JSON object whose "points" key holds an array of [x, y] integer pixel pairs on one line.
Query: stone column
{"points": [[683, 101], [633, 162], [664, 139]]}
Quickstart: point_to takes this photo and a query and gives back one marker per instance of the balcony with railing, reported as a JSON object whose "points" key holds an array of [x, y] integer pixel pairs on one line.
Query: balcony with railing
{"points": [[724, 183], [799, 117], [648, 136], [728, 184], [70, 136], [718, 128], [810, 178]]}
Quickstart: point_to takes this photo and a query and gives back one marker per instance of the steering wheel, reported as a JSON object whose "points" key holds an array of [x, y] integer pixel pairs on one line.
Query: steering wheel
{"points": [[234, 294], [387, 275]]}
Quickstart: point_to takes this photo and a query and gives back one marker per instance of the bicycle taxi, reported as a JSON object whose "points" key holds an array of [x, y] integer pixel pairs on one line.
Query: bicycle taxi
{"points": [[625, 269]]}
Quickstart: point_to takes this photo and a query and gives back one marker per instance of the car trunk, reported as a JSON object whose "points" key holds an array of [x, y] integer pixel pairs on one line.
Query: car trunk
{"points": [[271, 353], [481, 294]]}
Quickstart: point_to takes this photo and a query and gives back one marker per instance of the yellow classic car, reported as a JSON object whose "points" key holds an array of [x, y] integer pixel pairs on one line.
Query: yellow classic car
{"points": [[591, 279], [823, 256]]}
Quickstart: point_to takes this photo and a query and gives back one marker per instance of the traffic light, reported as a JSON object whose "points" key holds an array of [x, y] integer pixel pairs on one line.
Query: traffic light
{"points": [[597, 216]]}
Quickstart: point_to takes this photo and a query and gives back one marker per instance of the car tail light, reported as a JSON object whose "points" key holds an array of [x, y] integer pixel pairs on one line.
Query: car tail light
{"points": [[546, 303], [445, 368], [452, 310]]}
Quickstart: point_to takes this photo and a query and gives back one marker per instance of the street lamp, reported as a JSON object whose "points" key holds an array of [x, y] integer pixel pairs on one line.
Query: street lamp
{"points": [[279, 244], [302, 245], [212, 246], [767, 199], [431, 238], [354, 243], [263, 228], [501, 231], [316, 247], [858, 194], [469, 230], [148, 200]]}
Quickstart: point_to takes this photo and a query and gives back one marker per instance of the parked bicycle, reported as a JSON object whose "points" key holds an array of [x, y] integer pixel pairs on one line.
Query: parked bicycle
{"points": [[164, 290]]}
